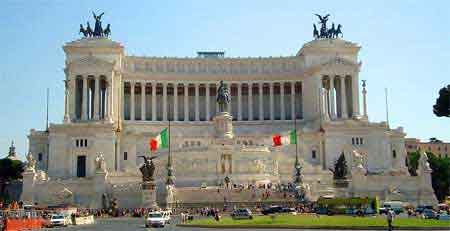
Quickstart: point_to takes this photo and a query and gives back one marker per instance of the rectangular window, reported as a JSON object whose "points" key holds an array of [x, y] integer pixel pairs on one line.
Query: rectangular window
{"points": [[85, 142], [313, 154], [40, 157], [125, 155], [361, 140], [77, 143], [353, 141]]}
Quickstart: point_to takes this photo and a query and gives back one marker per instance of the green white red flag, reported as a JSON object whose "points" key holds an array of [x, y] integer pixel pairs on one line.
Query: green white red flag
{"points": [[290, 138], [160, 141]]}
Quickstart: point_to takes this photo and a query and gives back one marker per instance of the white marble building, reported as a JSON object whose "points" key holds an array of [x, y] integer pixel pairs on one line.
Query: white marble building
{"points": [[116, 103]]}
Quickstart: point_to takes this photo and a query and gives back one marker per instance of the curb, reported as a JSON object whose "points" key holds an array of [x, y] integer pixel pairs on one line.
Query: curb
{"points": [[310, 227]]}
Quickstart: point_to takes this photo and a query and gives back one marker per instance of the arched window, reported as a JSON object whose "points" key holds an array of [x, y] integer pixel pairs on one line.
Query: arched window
{"points": [[394, 154]]}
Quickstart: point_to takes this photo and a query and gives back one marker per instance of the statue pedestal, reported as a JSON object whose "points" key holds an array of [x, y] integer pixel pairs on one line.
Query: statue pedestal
{"points": [[223, 125], [149, 195], [99, 186], [29, 178]]}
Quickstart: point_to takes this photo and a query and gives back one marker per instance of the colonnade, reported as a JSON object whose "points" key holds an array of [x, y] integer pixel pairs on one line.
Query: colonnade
{"points": [[196, 101], [339, 96], [91, 98]]}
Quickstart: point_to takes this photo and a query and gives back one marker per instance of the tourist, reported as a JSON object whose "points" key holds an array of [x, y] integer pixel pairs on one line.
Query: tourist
{"points": [[390, 218]]}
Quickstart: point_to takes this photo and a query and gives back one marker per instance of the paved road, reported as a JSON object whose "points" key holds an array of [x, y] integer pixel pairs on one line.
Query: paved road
{"points": [[133, 224]]}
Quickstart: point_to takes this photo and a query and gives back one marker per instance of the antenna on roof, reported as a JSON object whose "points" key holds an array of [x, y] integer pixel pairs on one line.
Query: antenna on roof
{"points": [[46, 122]]}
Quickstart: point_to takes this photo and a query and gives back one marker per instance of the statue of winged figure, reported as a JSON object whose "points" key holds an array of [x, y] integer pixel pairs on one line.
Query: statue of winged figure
{"points": [[147, 169]]}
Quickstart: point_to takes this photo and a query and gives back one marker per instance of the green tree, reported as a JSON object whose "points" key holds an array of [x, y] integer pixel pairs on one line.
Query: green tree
{"points": [[442, 106], [340, 168], [412, 161], [440, 175], [10, 170]]}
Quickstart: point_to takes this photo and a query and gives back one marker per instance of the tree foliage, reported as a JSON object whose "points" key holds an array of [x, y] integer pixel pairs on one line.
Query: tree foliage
{"points": [[412, 161], [10, 170], [442, 106], [440, 175], [340, 168]]}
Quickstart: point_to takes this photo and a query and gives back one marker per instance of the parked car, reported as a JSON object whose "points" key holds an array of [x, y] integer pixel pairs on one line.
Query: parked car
{"points": [[429, 214], [289, 210], [241, 213], [271, 210], [57, 220], [155, 219], [397, 206], [420, 208]]}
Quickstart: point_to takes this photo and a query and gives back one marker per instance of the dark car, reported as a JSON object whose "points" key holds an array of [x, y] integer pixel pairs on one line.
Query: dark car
{"points": [[421, 208], [271, 210], [429, 214]]}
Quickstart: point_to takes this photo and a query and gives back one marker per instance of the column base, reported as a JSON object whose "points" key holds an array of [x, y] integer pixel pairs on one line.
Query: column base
{"points": [[66, 119]]}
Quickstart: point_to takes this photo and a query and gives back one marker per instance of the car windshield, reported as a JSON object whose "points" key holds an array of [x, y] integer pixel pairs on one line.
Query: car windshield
{"points": [[154, 215], [57, 217]]}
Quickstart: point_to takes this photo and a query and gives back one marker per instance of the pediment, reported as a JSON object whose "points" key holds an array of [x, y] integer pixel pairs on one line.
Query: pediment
{"points": [[90, 64]]}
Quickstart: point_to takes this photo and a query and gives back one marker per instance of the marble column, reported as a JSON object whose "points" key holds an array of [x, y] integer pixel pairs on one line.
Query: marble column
{"points": [[132, 110], [355, 95], [186, 101], [154, 101], [197, 111], [66, 100], [109, 100], [293, 101], [175, 101], [164, 84], [283, 114], [261, 110], [122, 100], [332, 99], [326, 111], [364, 94], [344, 113], [239, 93], [250, 101], [272, 113], [143, 110], [207, 93], [84, 104], [96, 98]]}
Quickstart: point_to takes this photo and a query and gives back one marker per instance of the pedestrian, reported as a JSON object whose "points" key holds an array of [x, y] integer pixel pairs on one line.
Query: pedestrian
{"points": [[390, 217]]}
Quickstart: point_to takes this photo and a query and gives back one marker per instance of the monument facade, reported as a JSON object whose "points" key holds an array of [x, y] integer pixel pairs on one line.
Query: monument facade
{"points": [[115, 103]]}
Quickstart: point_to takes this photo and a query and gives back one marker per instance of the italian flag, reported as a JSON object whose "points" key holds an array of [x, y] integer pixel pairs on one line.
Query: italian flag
{"points": [[161, 141], [291, 138]]}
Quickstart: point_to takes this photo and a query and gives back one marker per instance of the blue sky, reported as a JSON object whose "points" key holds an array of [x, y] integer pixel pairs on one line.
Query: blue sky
{"points": [[405, 47]]}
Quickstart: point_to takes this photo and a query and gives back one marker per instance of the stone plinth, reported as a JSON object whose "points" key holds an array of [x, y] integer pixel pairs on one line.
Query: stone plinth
{"points": [[223, 126], [149, 195]]}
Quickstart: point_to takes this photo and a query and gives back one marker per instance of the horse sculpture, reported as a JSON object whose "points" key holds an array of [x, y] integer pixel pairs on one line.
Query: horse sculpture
{"points": [[338, 31], [83, 31], [107, 30], [315, 32]]}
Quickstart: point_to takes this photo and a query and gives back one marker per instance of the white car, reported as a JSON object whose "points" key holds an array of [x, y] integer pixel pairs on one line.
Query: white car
{"points": [[155, 219], [58, 220]]}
